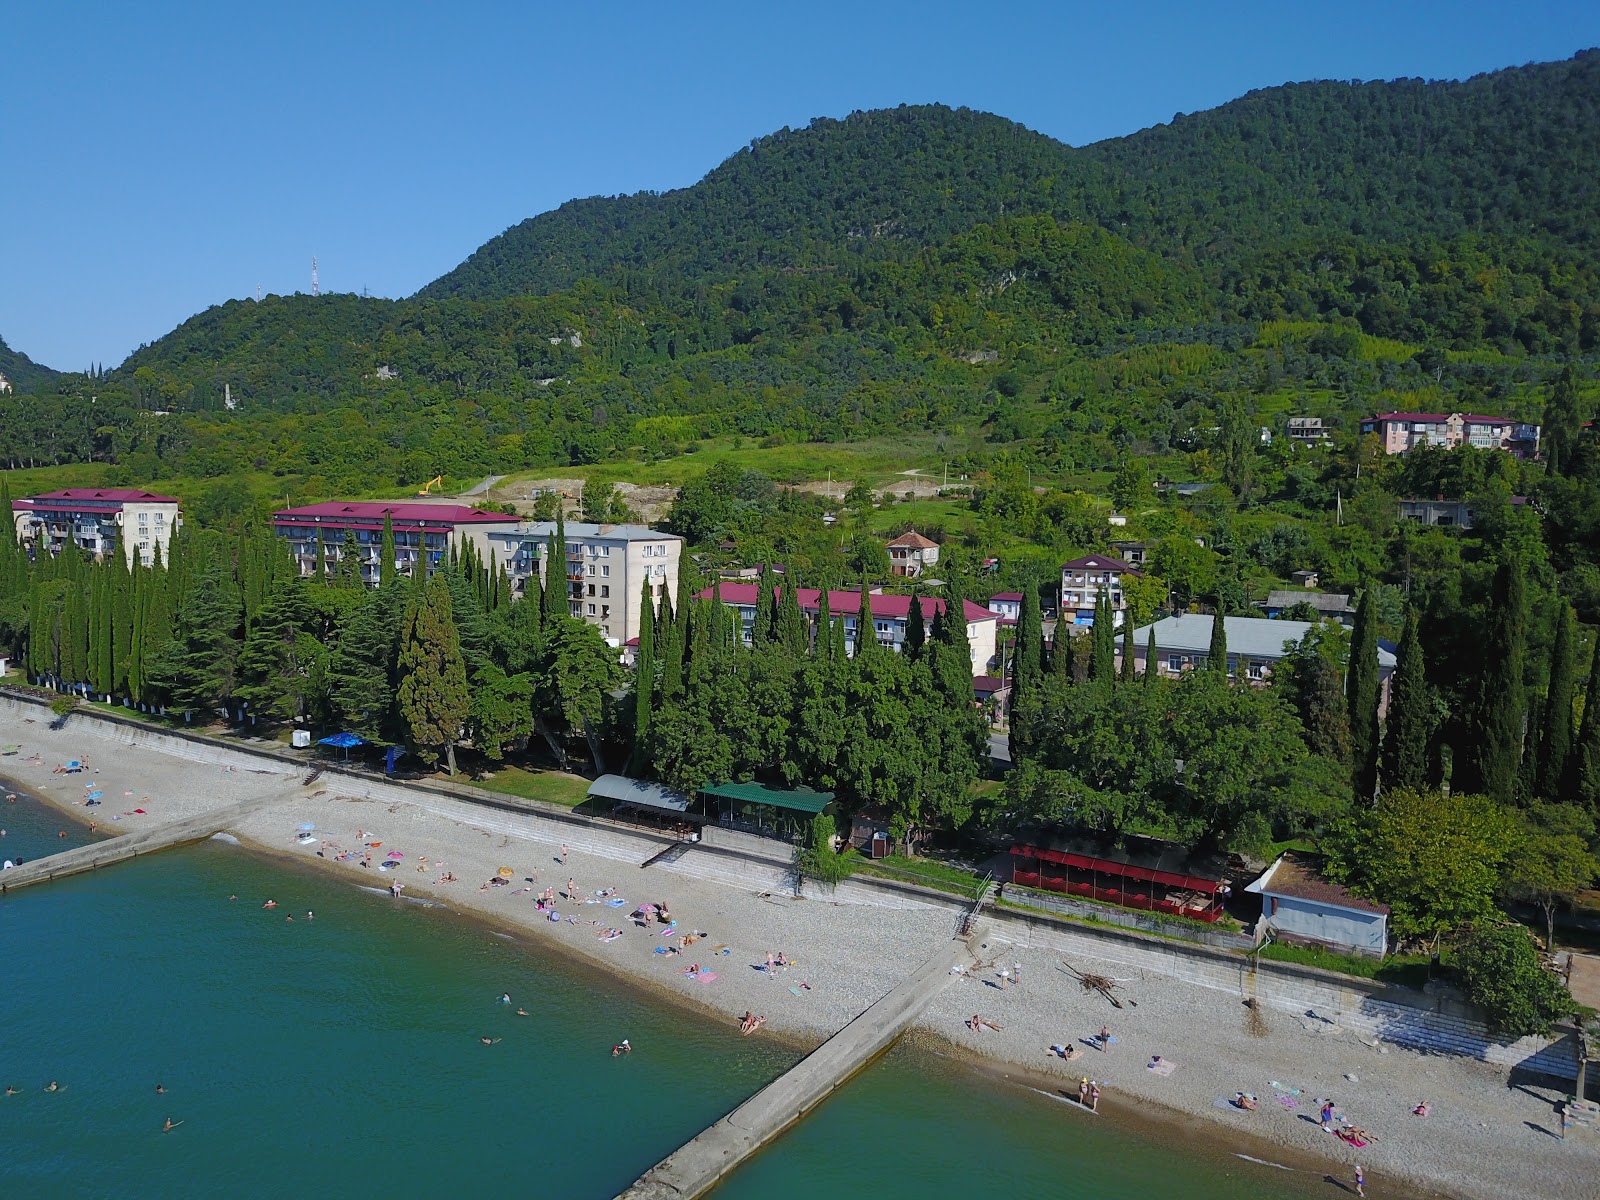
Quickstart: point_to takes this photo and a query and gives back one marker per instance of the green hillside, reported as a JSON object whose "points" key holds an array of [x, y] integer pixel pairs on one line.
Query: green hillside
{"points": [[23, 373], [1511, 153]]}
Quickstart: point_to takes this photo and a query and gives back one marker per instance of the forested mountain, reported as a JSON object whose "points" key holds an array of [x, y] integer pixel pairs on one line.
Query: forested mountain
{"points": [[1513, 153], [23, 373]]}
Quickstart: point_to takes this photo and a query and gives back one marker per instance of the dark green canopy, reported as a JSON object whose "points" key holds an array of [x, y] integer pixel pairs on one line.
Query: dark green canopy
{"points": [[804, 800]]}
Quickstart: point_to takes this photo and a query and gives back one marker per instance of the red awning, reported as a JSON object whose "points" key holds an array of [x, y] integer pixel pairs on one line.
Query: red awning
{"points": [[1107, 866]]}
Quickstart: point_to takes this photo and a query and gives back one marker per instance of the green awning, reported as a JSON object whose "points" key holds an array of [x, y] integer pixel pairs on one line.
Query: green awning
{"points": [[798, 799]]}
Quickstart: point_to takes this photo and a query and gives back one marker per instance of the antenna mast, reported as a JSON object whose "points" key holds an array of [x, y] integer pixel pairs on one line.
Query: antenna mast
{"points": [[314, 290]]}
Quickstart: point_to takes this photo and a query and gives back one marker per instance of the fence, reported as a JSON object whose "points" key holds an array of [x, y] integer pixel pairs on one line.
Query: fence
{"points": [[1128, 919]]}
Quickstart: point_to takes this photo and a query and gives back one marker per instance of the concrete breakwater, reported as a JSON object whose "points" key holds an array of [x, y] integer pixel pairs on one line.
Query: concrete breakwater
{"points": [[695, 1168]]}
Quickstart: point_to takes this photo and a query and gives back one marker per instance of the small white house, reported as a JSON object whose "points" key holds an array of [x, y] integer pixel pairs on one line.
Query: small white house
{"points": [[1299, 905]]}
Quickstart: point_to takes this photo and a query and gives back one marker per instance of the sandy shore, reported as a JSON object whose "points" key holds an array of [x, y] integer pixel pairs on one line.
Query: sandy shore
{"points": [[1483, 1138]]}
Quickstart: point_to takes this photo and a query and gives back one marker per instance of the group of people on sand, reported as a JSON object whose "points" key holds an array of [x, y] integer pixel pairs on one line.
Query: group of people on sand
{"points": [[749, 1023]]}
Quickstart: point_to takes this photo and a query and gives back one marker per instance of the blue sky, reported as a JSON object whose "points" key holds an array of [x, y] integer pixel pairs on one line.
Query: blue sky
{"points": [[159, 158]]}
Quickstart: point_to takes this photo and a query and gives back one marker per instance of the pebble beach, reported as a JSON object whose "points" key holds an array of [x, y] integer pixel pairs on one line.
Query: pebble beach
{"points": [[1482, 1138]]}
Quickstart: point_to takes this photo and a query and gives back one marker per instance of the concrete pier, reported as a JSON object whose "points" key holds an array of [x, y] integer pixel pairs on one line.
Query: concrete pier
{"points": [[130, 845], [696, 1167]]}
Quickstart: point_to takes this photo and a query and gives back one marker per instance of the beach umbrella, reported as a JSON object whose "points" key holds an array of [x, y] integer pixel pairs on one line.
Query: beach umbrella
{"points": [[395, 854], [306, 828], [506, 872], [343, 741]]}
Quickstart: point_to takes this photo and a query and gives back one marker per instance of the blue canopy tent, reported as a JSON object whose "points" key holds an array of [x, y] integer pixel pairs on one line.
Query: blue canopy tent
{"points": [[343, 741]]}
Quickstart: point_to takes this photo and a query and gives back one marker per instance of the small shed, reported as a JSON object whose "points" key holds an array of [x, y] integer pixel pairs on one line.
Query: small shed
{"points": [[1299, 905]]}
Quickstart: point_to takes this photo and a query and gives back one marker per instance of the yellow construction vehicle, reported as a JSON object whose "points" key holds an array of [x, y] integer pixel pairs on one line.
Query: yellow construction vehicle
{"points": [[436, 482]]}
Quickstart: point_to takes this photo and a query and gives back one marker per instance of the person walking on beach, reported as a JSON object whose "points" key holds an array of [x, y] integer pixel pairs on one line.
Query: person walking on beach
{"points": [[1361, 1181], [1105, 1040], [572, 890], [1094, 1095], [563, 854], [1327, 1116], [1083, 1091]]}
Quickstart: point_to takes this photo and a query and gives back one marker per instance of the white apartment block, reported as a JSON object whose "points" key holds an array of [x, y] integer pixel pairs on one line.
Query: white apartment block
{"points": [[98, 521]]}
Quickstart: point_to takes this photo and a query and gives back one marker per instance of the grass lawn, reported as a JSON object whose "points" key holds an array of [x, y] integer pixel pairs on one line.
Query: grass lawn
{"points": [[927, 871], [1409, 970], [552, 787]]}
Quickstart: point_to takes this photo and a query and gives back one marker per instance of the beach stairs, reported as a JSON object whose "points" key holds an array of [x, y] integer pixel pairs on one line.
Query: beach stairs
{"points": [[668, 856], [311, 777], [969, 920]]}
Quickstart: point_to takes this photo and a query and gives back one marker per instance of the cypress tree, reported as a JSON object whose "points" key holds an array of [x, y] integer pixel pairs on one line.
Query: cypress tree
{"points": [[1101, 664], [359, 667], [1027, 671], [347, 571], [838, 648], [1555, 746], [1410, 722], [1152, 667], [1583, 763], [792, 632], [866, 631], [386, 564], [105, 615], [122, 624], [955, 634], [916, 631], [824, 640], [1217, 656], [766, 622], [1361, 691], [433, 696], [644, 681], [1127, 649], [562, 594], [675, 646], [1495, 749], [320, 571]]}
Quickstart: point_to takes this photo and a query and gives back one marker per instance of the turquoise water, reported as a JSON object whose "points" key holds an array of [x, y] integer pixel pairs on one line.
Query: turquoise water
{"points": [[343, 1053]]}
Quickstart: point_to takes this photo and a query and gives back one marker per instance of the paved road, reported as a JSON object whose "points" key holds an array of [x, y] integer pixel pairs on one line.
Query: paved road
{"points": [[483, 487], [1000, 747]]}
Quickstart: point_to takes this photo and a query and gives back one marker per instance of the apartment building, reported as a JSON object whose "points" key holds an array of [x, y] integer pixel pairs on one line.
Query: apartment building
{"points": [[423, 533], [890, 616], [1401, 432], [605, 570], [1082, 581], [98, 521]]}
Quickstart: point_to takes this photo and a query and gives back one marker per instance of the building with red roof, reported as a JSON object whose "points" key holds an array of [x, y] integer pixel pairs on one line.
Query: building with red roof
{"points": [[422, 532], [98, 520], [1084, 579], [890, 615], [911, 554], [1401, 432]]}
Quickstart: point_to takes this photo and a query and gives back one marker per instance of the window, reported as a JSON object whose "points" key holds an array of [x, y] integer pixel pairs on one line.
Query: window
{"points": [[591, 589], [661, 569], [1256, 670], [591, 610], [590, 570], [605, 551], [605, 590], [661, 551], [606, 571], [161, 518], [1175, 663]]}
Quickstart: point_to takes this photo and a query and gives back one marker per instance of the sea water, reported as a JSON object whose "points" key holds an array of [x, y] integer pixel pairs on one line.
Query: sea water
{"points": [[327, 1055]]}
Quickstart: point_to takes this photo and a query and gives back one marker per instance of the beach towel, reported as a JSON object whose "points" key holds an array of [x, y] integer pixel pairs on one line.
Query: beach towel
{"points": [[1164, 1067], [615, 903], [663, 950], [612, 938], [706, 976], [794, 991]]}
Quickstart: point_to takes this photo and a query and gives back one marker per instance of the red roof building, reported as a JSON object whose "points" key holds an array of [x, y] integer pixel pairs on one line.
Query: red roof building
{"points": [[1084, 579], [422, 532], [911, 554], [98, 520], [1401, 432], [889, 615]]}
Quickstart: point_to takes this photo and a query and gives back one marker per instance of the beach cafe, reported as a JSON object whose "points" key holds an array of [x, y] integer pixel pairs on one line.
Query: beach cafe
{"points": [[1141, 873], [763, 809], [651, 804]]}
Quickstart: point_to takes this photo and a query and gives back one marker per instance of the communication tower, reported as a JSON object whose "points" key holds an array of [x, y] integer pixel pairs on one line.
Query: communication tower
{"points": [[314, 275]]}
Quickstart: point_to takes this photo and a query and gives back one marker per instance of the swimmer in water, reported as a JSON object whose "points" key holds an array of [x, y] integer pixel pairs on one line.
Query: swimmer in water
{"points": [[170, 1125], [270, 904], [11, 1091], [311, 916], [505, 997], [54, 1086], [624, 1048], [488, 1041], [160, 1091], [522, 1012]]}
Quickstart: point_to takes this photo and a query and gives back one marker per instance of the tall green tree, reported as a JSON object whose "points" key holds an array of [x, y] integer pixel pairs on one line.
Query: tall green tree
{"points": [[1583, 763], [1152, 666], [644, 681], [361, 666], [580, 674], [433, 697], [1361, 689], [1217, 656], [1495, 744], [1128, 657], [1102, 650], [1555, 742], [1411, 719], [916, 629], [386, 553], [766, 622], [793, 634], [1563, 422]]}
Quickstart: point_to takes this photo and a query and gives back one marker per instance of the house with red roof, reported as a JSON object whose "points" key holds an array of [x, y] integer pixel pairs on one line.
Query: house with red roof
{"points": [[890, 616], [1007, 606], [1400, 432], [911, 554], [1084, 579], [423, 533], [98, 521]]}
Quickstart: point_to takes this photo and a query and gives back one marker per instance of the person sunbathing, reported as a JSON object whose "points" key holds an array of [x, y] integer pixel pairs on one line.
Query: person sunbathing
{"points": [[1245, 1101]]}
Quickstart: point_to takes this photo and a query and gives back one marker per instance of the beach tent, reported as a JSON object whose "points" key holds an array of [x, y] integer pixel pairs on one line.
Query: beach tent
{"points": [[343, 741]]}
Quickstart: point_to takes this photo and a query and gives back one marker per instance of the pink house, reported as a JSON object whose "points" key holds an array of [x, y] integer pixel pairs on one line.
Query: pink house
{"points": [[1403, 431]]}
